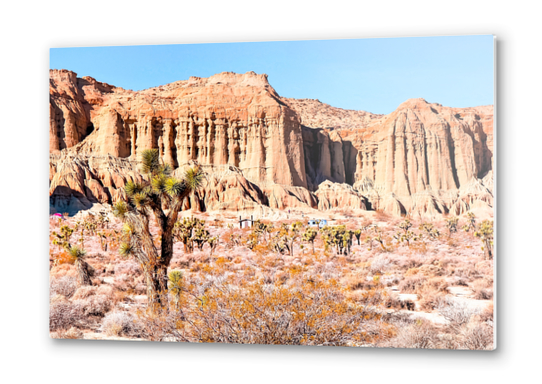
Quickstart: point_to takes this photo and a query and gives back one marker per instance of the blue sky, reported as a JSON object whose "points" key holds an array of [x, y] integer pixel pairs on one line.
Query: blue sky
{"points": [[374, 75]]}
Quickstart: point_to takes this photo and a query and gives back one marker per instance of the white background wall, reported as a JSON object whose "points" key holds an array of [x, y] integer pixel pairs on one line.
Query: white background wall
{"points": [[29, 29]]}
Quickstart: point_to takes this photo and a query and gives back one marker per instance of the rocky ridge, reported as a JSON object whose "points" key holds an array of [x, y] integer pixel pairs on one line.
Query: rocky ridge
{"points": [[260, 150]]}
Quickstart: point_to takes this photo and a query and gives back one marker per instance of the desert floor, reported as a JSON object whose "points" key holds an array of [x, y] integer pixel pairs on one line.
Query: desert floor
{"points": [[436, 291]]}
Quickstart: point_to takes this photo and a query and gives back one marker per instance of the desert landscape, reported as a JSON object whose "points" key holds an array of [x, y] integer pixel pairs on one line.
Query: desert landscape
{"points": [[215, 210]]}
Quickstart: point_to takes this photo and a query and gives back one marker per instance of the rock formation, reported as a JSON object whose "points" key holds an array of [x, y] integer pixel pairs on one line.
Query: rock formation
{"points": [[261, 150], [228, 118]]}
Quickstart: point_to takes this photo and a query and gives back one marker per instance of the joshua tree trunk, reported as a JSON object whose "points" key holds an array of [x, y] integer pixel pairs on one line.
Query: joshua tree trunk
{"points": [[83, 272], [487, 251]]}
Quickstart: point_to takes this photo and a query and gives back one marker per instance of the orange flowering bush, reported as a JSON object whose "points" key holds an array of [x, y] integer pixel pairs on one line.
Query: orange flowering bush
{"points": [[223, 308]]}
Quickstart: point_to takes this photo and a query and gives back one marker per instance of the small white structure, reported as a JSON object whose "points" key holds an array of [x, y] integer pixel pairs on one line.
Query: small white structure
{"points": [[246, 223], [317, 223]]}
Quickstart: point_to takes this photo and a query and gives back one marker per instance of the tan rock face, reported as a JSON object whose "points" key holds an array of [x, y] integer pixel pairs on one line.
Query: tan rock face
{"points": [[228, 118], [78, 181], [334, 195], [417, 153], [264, 150]]}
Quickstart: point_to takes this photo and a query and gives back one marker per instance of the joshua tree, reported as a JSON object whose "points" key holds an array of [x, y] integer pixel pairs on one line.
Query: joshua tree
{"points": [[357, 233], [183, 232], [451, 224], [213, 242], [292, 234], [339, 237], [485, 233], [79, 226], [309, 235], [379, 239], [201, 235], [90, 225], [407, 237], [103, 221], [62, 239], [405, 225], [83, 269], [471, 222], [285, 237], [261, 229], [161, 195], [103, 240], [430, 229]]}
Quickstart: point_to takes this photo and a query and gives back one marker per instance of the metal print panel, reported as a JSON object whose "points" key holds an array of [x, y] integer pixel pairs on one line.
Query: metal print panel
{"points": [[330, 193]]}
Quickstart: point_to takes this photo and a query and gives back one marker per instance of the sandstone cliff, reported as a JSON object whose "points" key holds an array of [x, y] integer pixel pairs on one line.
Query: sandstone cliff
{"points": [[421, 149], [261, 150], [228, 118]]}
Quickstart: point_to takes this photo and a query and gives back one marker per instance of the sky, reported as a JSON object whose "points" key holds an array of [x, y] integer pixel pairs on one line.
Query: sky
{"points": [[374, 75]]}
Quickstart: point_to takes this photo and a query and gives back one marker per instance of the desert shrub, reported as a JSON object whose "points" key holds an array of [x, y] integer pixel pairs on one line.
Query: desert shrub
{"points": [[486, 315], [62, 257], [412, 284], [380, 264], [392, 301], [97, 305], [64, 314], [411, 272], [65, 286], [476, 336], [481, 291], [63, 270], [430, 300], [129, 267], [390, 280], [309, 313], [467, 272], [411, 262], [72, 333], [437, 284], [94, 301], [456, 312], [84, 292], [119, 323], [484, 268], [355, 283], [431, 270], [421, 334]]}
